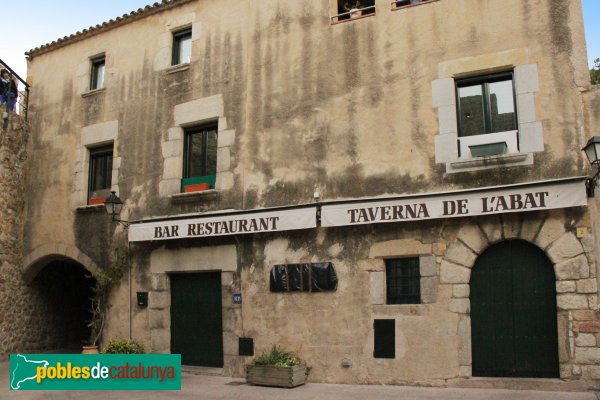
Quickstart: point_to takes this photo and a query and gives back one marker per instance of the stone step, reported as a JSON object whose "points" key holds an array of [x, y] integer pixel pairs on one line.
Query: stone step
{"points": [[542, 384]]}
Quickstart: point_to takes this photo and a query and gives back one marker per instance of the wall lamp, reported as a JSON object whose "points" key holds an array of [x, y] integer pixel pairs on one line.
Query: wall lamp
{"points": [[592, 151], [113, 207]]}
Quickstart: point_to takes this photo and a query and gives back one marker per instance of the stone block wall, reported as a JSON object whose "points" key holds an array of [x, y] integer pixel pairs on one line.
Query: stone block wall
{"points": [[16, 299]]}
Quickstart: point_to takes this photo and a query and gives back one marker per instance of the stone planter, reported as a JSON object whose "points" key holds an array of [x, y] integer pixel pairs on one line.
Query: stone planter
{"points": [[269, 375]]}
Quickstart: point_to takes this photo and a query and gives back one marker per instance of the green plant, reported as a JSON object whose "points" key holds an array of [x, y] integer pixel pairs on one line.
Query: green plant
{"points": [[595, 72], [278, 357], [124, 346], [106, 280]]}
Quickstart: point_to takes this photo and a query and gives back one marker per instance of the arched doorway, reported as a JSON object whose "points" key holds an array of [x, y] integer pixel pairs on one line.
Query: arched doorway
{"points": [[63, 290], [513, 312]]}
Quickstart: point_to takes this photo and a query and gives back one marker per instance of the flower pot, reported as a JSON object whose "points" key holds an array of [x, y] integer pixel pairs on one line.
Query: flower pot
{"points": [[270, 375], [355, 13], [488, 149], [90, 350], [97, 200], [196, 187]]}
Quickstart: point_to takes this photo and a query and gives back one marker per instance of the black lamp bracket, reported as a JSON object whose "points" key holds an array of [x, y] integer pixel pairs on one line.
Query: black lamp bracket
{"points": [[591, 183], [122, 222]]}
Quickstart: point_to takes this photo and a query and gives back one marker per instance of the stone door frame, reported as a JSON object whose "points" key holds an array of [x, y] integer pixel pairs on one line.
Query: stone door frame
{"points": [[190, 260], [574, 269]]}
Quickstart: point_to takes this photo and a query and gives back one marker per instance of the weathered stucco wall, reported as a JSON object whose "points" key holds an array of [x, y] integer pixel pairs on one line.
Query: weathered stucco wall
{"points": [[345, 108]]}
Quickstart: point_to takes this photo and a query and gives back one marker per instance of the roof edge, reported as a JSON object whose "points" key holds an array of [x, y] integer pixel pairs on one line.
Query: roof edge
{"points": [[106, 26]]}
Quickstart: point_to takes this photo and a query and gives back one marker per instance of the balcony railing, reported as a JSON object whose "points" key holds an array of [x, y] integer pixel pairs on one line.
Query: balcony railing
{"points": [[22, 104], [359, 12]]}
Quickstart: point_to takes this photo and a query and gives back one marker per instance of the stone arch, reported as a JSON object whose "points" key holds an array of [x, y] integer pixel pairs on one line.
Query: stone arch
{"points": [[60, 280], [544, 230], [42, 255]]}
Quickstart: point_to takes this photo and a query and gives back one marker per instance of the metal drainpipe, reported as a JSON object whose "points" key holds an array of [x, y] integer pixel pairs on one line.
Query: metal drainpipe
{"points": [[129, 285]]}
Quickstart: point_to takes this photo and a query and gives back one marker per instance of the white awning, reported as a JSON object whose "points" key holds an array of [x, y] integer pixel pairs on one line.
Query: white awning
{"points": [[497, 200], [235, 224]]}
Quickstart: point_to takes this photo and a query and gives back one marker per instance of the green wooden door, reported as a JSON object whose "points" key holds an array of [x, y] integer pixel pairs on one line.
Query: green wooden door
{"points": [[196, 321], [513, 312]]}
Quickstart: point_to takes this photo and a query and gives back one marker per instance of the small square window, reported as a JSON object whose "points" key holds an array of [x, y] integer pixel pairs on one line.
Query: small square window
{"points": [[486, 105], [350, 9], [101, 159], [403, 281], [182, 47], [97, 74]]}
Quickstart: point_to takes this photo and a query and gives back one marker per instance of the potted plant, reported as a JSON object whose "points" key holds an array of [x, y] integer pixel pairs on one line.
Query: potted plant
{"points": [[277, 367], [124, 346], [106, 280]]}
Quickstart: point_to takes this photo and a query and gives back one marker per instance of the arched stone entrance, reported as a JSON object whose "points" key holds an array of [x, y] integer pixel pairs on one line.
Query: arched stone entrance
{"points": [[61, 288], [513, 312], [576, 293]]}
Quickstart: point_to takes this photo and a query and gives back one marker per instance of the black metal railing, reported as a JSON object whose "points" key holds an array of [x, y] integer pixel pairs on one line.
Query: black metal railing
{"points": [[22, 101]]}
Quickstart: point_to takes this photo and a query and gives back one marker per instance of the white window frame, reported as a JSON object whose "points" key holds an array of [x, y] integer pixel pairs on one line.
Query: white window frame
{"points": [[520, 148]]}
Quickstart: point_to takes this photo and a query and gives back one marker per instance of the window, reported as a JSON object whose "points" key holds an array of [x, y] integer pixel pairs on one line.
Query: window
{"points": [[487, 121], [384, 336], [182, 46], [403, 281], [404, 3], [200, 156], [486, 105], [97, 75], [350, 9], [101, 159]]}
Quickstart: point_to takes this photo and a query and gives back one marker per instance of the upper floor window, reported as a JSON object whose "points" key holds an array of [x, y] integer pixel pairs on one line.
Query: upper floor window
{"points": [[97, 73], [101, 159], [200, 157], [182, 46], [403, 281], [404, 3], [350, 9], [486, 104]]}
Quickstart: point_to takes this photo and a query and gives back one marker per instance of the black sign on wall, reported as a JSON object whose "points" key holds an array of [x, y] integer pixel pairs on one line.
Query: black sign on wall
{"points": [[308, 277]]}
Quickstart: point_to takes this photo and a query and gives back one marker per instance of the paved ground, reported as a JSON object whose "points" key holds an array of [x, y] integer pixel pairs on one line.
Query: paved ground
{"points": [[215, 387]]}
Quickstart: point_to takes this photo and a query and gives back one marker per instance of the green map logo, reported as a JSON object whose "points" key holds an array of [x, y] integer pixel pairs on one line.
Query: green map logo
{"points": [[95, 372], [23, 370]]}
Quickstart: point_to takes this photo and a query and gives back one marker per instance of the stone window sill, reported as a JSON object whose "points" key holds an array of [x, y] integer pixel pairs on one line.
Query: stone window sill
{"points": [[91, 209], [491, 162], [93, 92], [193, 197], [416, 310], [177, 68]]}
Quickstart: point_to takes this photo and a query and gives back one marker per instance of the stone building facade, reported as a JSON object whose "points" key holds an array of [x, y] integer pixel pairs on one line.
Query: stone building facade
{"points": [[296, 177]]}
